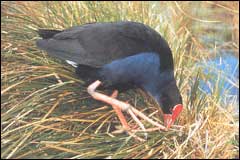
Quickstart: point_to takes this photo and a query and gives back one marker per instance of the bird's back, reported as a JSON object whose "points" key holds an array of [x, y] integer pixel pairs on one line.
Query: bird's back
{"points": [[97, 44]]}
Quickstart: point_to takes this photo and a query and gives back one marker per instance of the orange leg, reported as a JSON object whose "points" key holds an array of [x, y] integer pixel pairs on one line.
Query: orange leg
{"points": [[119, 105], [119, 113], [123, 119]]}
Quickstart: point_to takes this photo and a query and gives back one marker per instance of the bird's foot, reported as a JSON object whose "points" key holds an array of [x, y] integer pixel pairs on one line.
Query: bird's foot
{"points": [[118, 106], [123, 120]]}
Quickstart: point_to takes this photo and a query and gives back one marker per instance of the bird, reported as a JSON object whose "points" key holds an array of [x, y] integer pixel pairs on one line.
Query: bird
{"points": [[119, 55]]}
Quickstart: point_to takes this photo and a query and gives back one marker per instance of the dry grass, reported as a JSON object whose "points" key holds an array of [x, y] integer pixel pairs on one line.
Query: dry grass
{"points": [[47, 113]]}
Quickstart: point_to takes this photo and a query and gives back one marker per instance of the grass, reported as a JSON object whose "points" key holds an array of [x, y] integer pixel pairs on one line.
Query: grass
{"points": [[47, 113]]}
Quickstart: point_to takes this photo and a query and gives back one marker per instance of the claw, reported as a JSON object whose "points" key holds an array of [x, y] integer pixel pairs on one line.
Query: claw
{"points": [[119, 105]]}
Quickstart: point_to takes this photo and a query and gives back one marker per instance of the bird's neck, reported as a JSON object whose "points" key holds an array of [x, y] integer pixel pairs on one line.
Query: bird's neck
{"points": [[157, 85]]}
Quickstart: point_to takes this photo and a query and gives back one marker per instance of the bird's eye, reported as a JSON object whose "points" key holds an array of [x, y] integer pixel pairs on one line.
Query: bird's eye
{"points": [[163, 98]]}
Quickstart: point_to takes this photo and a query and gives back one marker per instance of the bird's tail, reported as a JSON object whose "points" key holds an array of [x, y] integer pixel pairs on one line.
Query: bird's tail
{"points": [[47, 33]]}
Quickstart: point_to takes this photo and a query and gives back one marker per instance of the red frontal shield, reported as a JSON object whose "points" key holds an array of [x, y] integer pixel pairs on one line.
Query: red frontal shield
{"points": [[169, 119]]}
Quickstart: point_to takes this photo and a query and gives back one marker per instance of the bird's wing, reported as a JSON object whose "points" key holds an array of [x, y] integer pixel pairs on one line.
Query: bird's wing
{"points": [[100, 43]]}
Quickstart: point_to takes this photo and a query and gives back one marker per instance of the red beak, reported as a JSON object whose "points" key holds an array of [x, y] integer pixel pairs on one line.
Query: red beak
{"points": [[169, 119]]}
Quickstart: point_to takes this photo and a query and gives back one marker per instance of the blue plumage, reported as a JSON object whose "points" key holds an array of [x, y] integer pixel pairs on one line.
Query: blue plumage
{"points": [[143, 71], [138, 69], [122, 55]]}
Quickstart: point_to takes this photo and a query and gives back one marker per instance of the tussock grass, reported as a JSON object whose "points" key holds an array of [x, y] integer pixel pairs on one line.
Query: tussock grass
{"points": [[47, 113]]}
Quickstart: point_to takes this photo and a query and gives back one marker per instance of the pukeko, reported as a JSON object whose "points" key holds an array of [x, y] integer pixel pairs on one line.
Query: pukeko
{"points": [[120, 55]]}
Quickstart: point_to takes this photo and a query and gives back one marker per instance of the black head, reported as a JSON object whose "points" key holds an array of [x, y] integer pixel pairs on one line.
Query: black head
{"points": [[165, 91], [170, 100], [168, 97]]}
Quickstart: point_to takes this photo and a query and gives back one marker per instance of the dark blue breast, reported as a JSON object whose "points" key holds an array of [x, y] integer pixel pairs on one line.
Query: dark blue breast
{"points": [[139, 69]]}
